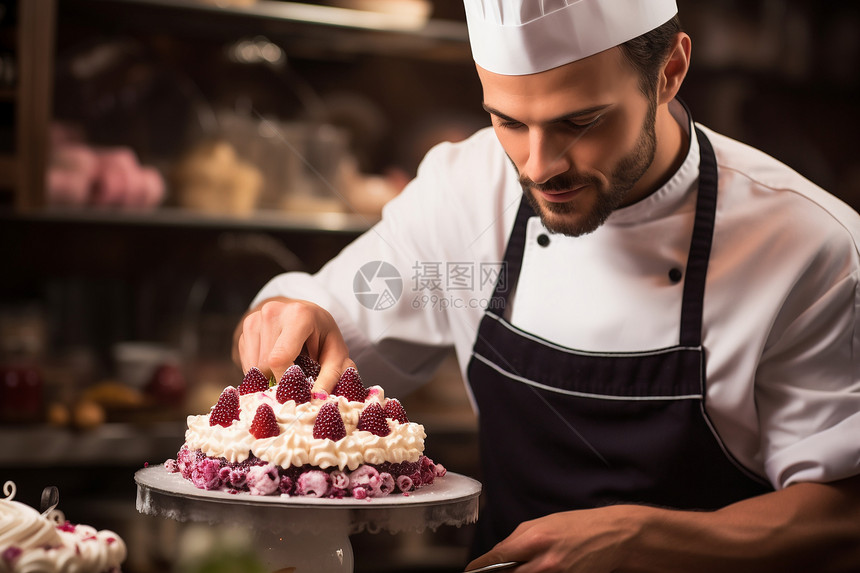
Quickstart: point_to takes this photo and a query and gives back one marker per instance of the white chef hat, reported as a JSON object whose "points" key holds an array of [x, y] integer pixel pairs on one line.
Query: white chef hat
{"points": [[518, 37]]}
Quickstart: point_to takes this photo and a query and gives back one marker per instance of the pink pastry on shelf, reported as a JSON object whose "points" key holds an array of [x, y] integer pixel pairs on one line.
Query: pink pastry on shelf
{"points": [[79, 175]]}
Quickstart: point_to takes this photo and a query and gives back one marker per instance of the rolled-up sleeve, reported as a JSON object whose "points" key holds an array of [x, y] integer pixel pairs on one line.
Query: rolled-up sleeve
{"points": [[808, 392]]}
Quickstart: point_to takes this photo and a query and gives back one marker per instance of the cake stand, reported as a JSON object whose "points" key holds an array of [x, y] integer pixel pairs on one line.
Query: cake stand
{"points": [[309, 535]]}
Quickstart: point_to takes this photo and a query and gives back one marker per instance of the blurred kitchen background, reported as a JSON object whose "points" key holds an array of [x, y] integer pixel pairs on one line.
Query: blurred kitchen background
{"points": [[160, 160]]}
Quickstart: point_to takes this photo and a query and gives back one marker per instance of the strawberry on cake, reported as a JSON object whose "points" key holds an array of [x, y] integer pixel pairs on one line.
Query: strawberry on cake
{"points": [[283, 439]]}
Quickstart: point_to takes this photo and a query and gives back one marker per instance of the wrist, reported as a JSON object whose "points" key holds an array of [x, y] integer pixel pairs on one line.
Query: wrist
{"points": [[639, 542]]}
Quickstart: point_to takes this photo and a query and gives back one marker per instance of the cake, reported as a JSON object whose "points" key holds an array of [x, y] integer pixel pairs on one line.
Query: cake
{"points": [[268, 438], [47, 543]]}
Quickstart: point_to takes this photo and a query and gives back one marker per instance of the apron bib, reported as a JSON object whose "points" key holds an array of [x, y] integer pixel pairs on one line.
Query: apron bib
{"points": [[562, 429]]}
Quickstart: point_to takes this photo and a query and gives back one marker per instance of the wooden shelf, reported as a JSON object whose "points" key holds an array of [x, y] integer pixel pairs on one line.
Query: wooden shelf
{"points": [[277, 221], [24, 172], [109, 444], [305, 13], [310, 30]]}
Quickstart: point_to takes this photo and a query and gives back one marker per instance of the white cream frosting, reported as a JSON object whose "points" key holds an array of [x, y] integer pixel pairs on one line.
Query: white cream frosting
{"points": [[22, 526], [295, 444], [45, 547]]}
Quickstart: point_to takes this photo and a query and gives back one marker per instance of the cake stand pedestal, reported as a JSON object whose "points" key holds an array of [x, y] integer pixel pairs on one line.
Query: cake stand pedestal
{"points": [[309, 535]]}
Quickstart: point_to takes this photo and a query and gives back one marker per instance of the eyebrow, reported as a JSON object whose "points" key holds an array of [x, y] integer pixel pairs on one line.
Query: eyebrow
{"points": [[572, 115]]}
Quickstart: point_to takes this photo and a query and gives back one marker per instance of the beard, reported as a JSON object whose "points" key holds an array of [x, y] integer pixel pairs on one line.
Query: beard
{"points": [[569, 219]]}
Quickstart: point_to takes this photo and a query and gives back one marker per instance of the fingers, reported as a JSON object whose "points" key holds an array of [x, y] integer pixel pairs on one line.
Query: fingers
{"points": [[520, 546], [497, 554], [248, 344], [268, 340], [333, 355], [489, 558], [274, 333], [283, 352], [330, 372]]}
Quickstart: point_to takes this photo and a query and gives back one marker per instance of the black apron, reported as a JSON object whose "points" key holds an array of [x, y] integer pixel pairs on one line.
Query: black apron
{"points": [[563, 429]]}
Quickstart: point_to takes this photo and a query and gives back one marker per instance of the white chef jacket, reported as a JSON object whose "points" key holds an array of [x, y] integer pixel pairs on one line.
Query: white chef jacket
{"points": [[780, 308]]}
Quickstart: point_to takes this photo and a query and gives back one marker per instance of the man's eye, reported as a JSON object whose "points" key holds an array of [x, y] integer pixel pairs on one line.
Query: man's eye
{"points": [[579, 125], [509, 124]]}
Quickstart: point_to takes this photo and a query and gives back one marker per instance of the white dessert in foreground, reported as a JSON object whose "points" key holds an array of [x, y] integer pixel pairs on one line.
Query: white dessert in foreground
{"points": [[267, 438], [31, 542]]}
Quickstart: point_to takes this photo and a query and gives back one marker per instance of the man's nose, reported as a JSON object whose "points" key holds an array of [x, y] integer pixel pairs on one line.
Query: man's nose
{"points": [[547, 157]]}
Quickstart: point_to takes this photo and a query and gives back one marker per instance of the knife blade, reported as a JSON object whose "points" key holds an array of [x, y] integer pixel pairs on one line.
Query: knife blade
{"points": [[495, 567]]}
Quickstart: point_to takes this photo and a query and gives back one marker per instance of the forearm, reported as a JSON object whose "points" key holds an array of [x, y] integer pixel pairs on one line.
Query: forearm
{"points": [[805, 527]]}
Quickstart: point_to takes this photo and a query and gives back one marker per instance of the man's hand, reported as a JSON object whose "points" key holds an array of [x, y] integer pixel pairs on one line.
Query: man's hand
{"points": [[588, 541], [804, 527], [272, 334]]}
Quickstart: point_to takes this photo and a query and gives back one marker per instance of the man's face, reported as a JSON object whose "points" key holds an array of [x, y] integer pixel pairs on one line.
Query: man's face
{"points": [[580, 136]]}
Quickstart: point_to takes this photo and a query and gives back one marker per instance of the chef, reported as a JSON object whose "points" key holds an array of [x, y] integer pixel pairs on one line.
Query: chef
{"points": [[658, 325]]}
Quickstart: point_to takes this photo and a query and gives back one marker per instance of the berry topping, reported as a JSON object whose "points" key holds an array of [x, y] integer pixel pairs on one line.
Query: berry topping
{"points": [[67, 527], [394, 410], [329, 424], [350, 387], [254, 381], [373, 420], [11, 553], [313, 483], [309, 366], [265, 425], [227, 408], [294, 385]]}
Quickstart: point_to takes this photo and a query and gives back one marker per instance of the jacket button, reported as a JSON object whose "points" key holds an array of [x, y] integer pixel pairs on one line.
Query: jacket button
{"points": [[675, 275], [543, 239]]}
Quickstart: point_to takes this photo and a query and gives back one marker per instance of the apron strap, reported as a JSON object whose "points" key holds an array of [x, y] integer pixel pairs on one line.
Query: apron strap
{"points": [[513, 260], [700, 245]]}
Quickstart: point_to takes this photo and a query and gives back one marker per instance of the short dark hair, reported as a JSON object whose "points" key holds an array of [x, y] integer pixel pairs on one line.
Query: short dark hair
{"points": [[647, 53]]}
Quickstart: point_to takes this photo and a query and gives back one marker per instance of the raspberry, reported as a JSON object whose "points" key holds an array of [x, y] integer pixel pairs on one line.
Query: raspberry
{"points": [[254, 381], [315, 483], [373, 420], [294, 385], [11, 553], [263, 480], [265, 425], [205, 474], [67, 527], [309, 366], [404, 483], [394, 410], [227, 408], [339, 479], [350, 387], [364, 482], [237, 477], [386, 484], [329, 424], [285, 486]]}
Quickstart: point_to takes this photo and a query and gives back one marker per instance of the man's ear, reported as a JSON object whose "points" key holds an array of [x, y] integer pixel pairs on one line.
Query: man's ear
{"points": [[675, 69]]}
